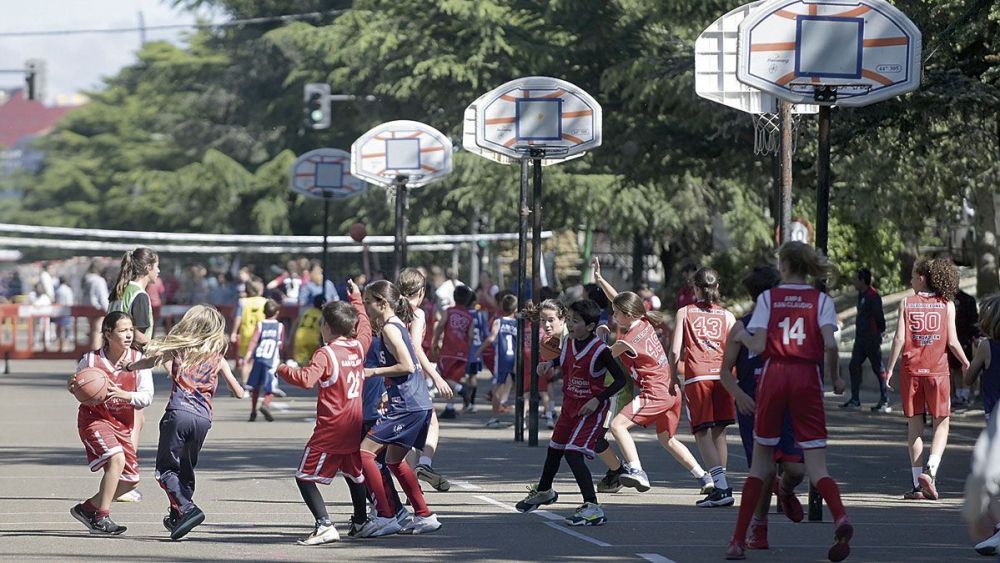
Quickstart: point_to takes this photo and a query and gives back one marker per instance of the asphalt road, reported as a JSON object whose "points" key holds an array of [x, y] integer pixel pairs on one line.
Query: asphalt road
{"points": [[246, 488]]}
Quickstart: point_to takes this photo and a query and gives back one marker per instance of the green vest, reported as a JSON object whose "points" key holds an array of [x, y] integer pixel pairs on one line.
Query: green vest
{"points": [[124, 304]]}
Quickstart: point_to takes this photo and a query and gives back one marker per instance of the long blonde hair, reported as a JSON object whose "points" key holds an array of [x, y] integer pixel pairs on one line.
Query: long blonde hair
{"points": [[198, 337]]}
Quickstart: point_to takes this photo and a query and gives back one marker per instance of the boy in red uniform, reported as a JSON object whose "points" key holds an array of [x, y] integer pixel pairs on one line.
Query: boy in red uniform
{"points": [[338, 368], [792, 327], [584, 361], [452, 343], [924, 335]]}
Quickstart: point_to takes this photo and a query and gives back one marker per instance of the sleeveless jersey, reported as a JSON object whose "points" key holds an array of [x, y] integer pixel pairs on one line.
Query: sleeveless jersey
{"points": [[706, 329], [925, 351], [339, 406], [455, 344], [124, 304], [793, 331], [407, 393], [582, 380], [480, 328], [251, 313], [194, 386], [506, 346], [118, 412], [748, 366], [268, 351], [649, 365], [375, 385], [307, 335], [427, 306]]}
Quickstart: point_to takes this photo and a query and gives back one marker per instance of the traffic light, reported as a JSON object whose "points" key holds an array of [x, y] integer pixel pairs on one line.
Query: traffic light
{"points": [[34, 78], [316, 105]]}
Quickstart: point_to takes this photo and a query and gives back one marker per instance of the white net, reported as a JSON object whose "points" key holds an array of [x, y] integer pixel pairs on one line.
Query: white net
{"points": [[767, 132]]}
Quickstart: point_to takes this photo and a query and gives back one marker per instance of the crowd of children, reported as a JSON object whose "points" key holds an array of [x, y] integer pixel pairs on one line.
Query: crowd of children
{"points": [[377, 371]]}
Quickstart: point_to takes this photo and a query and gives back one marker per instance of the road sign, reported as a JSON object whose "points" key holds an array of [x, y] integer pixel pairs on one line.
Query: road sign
{"points": [[402, 149], [829, 52], [535, 113], [325, 173]]}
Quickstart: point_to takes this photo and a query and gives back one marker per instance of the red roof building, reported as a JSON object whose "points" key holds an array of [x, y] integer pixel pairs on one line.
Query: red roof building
{"points": [[21, 118]]}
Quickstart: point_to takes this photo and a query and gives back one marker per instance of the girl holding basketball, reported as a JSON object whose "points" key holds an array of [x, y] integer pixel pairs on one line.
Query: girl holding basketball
{"points": [[792, 328], [195, 348], [106, 428]]}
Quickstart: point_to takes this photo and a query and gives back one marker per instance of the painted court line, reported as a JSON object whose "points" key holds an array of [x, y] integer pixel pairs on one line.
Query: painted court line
{"points": [[542, 513], [549, 516], [466, 485], [576, 534], [655, 558]]}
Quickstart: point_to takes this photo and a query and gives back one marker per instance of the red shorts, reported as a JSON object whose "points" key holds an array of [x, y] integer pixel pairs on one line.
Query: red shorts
{"points": [[575, 433], [925, 393], [320, 467], [708, 405], [452, 369], [797, 388], [655, 406], [103, 440]]}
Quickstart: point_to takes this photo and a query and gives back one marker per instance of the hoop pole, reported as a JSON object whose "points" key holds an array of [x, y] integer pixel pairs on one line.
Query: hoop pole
{"points": [[401, 205], [785, 110], [522, 298], [326, 233], [536, 285]]}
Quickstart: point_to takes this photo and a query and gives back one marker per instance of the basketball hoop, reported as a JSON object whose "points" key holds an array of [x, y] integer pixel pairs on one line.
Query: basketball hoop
{"points": [[767, 132]]}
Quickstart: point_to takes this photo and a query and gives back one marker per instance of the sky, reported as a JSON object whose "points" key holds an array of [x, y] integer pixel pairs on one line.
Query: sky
{"points": [[78, 62]]}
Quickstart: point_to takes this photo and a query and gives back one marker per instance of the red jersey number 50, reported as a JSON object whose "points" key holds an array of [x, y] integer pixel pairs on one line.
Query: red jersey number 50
{"points": [[925, 321], [792, 331]]}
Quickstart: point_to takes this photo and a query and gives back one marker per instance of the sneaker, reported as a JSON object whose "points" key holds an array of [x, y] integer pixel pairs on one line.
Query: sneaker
{"points": [[927, 486], [82, 515], [379, 526], [280, 393], [851, 404], [187, 522], [635, 478], [915, 494], [469, 409], [253, 416], [448, 414], [106, 526], [170, 520], [718, 497], [494, 423], [324, 532], [433, 478], [267, 414], [757, 534], [550, 422], [843, 532], [735, 551], [881, 406], [403, 517], [536, 498], [707, 484], [790, 504], [422, 525], [132, 496], [354, 527], [609, 483], [588, 514], [989, 545]]}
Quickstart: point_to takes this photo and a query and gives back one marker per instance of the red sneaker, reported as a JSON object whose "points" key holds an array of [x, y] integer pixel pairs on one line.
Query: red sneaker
{"points": [[790, 504], [757, 535], [841, 548], [735, 551], [927, 486]]}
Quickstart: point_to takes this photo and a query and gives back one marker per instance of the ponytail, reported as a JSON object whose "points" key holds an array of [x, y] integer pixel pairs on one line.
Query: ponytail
{"points": [[384, 291], [631, 305], [135, 264], [706, 283], [403, 310]]}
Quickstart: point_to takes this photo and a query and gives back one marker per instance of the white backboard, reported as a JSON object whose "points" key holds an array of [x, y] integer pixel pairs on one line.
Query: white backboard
{"points": [[395, 149], [325, 173]]}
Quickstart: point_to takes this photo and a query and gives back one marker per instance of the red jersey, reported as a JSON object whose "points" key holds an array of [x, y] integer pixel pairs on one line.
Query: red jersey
{"points": [[116, 411], [455, 345], [194, 386], [925, 350], [793, 316], [339, 369], [582, 379], [706, 329], [427, 306], [646, 360]]}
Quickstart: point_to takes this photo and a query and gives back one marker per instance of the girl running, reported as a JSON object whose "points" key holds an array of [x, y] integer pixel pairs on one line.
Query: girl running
{"points": [[659, 400], [792, 327], [106, 429], [195, 348], [502, 337], [924, 335], [699, 339]]}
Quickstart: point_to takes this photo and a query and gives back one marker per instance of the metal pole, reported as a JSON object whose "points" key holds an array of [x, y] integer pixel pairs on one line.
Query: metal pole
{"points": [[326, 229], [786, 171], [536, 285], [522, 298], [401, 205]]}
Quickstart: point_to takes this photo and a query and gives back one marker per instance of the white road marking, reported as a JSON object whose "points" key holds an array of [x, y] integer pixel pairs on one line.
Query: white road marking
{"points": [[549, 516], [575, 534], [655, 558], [466, 485]]}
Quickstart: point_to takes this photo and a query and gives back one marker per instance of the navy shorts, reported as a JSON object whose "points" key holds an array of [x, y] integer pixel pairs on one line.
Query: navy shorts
{"points": [[406, 429], [501, 377], [473, 368], [261, 377]]}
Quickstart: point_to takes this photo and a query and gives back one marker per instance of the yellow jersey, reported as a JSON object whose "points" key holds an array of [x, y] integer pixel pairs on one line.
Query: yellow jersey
{"points": [[307, 336], [252, 312]]}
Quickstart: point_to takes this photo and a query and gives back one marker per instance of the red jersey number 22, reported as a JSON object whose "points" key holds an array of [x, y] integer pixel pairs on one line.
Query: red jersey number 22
{"points": [[792, 331], [354, 380]]}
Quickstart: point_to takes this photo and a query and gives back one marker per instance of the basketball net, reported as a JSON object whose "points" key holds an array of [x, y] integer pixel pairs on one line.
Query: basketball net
{"points": [[767, 132]]}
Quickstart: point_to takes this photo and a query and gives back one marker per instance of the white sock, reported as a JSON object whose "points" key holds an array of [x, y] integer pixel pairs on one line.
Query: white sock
{"points": [[917, 471], [719, 476], [424, 460], [932, 464], [697, 471], [637, 465], [458, 388]]}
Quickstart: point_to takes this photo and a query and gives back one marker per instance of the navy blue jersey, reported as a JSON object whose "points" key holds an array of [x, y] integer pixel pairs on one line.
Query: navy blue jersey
{"points": [[480, 328], [747, 367], [268, 350], [506, 344], [407, 392], [375, 385], [990, 378]]}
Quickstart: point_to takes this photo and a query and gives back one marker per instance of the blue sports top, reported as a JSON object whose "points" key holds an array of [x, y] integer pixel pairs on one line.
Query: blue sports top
{"points": [[371, 394], [506, 344], [407, 392]]}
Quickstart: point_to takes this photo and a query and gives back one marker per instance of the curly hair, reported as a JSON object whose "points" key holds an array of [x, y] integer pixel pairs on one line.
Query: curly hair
{"points": [[940, 275]]}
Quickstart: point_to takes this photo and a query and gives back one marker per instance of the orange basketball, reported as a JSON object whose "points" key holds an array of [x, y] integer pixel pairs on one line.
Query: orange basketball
{"points": [[90, 386], [358, 232]]}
